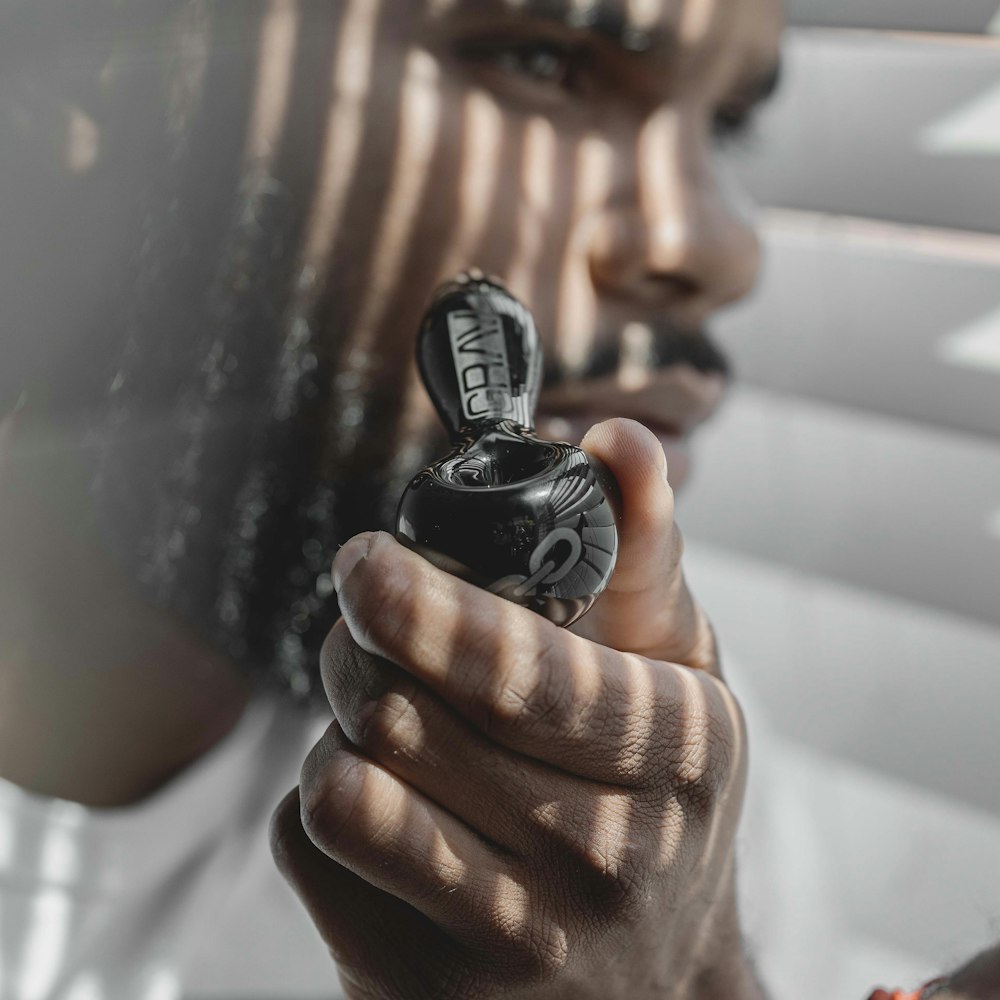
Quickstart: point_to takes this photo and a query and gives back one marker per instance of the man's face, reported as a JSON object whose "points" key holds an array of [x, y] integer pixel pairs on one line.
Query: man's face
{"points": [[570, 147], [264, 402]]}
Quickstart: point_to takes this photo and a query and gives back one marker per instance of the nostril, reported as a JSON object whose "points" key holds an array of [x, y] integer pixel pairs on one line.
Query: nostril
{"points": [[674, 284], [652, 289]]}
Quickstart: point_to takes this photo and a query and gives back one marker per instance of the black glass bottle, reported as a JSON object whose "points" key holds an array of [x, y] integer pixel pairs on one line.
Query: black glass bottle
{"points": [[525, 518]]}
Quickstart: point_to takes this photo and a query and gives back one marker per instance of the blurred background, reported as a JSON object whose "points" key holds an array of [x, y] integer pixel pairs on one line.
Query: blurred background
{"points": [[844, 523]]}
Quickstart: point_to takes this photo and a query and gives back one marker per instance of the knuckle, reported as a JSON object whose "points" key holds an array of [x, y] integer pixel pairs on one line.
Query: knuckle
{"points": [[336, 640], [340, 663], [386, 605], [623, 895], [535, 950], [534, 699], [629, 724], [479, 646], [724, 751], [691, 757], [484, 690], [701, 755], [608, 850], [548, 951], [616, 875], [530, 706], [371, 699], [284, 830], [512, 708], [379, 728], [332, 798]]}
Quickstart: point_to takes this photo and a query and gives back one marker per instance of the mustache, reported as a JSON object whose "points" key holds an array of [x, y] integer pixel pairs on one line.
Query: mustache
{"points": [[668, 346]]}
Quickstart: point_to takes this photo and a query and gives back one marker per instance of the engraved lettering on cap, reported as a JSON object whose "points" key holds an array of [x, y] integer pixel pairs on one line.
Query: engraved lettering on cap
{"points": [[479, 350]]}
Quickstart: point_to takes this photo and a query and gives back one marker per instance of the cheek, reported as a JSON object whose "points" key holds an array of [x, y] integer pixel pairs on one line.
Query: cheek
{"points": [[485, 172], [509, 179], [445, 179], [396, 179], [547, 219]]}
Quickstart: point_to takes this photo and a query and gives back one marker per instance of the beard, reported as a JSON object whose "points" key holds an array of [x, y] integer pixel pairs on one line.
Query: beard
{"points": [[221, 462], [223, 471], [190, 420], [225, 509]]}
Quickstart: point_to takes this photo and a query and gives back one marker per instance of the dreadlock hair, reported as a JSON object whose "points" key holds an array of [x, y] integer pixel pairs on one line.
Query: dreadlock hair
{"points": [[144, 302]]}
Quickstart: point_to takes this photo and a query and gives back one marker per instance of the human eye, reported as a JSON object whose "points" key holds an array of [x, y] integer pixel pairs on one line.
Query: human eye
{"points": [[547, 69], [734, 120]]}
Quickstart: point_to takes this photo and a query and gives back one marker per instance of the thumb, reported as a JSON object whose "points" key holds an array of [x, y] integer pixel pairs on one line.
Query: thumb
{"points": [[647, 608]]}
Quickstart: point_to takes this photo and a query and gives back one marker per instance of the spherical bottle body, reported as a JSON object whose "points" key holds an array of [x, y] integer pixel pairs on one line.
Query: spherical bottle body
{"points": [[527, 519]]}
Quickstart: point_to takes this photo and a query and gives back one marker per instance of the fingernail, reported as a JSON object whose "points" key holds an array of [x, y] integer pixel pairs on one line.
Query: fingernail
{"points": [[350, 554]]}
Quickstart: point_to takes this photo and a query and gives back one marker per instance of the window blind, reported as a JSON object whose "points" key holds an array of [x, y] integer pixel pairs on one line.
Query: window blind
{"points": [[843, 525], [864, 434], [871, 351], [962, 16]]}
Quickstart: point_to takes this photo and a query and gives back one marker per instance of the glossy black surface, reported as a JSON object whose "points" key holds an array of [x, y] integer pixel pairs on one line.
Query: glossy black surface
{"points": [[522, 517]]}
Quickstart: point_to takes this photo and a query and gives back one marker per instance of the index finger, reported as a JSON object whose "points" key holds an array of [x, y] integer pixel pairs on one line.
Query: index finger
{"points": [[527, 684]]}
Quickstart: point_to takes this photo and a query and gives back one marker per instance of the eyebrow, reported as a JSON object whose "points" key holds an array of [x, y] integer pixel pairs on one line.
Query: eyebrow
{"points": [[609, 20], [605, 18]]}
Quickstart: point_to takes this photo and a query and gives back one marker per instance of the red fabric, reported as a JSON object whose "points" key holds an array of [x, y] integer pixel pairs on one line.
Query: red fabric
{"points": [[900, 995]]}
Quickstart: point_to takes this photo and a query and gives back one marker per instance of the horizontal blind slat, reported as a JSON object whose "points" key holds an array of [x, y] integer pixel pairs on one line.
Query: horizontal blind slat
{"points": [[972, 16], [859, 675], [892, 320], [895, 507], [898, 128]]}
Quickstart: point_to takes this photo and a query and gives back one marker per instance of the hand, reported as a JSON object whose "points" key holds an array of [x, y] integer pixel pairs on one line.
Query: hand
{"points": [[506, 808]]}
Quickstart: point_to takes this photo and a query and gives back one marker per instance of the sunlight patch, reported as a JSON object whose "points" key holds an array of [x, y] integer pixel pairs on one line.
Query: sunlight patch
{"points": [[972, 130], [974, 346]]}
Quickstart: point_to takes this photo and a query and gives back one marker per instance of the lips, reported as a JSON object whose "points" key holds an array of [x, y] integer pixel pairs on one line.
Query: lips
{"points": [[670, 401]]}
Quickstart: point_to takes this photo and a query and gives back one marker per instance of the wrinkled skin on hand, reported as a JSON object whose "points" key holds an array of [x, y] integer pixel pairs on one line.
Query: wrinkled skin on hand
{"points": [[506, 808]]}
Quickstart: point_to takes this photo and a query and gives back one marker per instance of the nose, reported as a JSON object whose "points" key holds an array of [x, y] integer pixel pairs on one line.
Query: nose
{"points": [[669, 235]]}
